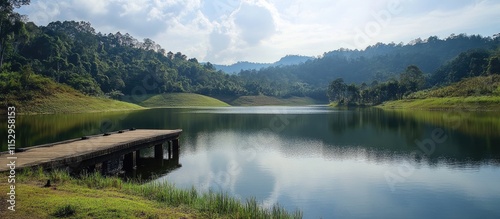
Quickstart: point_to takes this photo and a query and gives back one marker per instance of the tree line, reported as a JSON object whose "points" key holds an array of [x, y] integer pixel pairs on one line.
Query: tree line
{"points": [[113, 65], [73, 53], [411, 80], [98, 64], [467, 65]]}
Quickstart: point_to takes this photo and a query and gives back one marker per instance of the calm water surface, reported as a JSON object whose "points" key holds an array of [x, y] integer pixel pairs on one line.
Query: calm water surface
{"points": [[360, 163]]}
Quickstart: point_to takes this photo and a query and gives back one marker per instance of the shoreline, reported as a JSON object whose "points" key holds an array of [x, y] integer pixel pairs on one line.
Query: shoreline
{"points": [[62, 105], [96, 196], [479, 104], [449, 104]]}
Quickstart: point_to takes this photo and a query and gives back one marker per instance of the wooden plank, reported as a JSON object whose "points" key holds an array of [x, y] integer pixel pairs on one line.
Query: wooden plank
{"points": [[96, 148]]}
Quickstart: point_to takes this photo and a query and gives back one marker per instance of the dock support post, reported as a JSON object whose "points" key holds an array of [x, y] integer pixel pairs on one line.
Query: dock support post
{"points": [[129, 161], [159, 151], [175, 148], [104, 168], [91, 168], [169, 143], [137, 158]]}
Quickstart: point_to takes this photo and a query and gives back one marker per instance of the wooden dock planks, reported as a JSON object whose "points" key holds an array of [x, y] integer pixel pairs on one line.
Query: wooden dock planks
{"points": [[94, 149]]}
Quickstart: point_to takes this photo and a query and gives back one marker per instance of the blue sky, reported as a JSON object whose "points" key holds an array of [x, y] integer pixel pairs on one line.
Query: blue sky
{"points": [[227, 31]]}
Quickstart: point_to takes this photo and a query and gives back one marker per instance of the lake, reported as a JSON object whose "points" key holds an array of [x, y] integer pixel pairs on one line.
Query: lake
{"points": [[329, 163]]}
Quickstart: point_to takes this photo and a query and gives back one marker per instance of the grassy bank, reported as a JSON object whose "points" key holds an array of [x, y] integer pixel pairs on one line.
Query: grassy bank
{"points": [[95, 196], [175, 100], [273, 101], [44, 96], [476, 94], [68, 102]]}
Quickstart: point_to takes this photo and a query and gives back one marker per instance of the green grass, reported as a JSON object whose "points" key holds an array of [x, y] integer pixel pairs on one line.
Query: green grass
{"points": [[65, 211], [95, 196], [477, 93], [273, 101], [73, 103], [468, 87], [45, 96], [176, 100]]}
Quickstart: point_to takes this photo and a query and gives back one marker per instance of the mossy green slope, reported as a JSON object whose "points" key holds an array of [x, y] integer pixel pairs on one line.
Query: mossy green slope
{"points": [[180, 100], [45, 96], [477, 93], [74, 103]]}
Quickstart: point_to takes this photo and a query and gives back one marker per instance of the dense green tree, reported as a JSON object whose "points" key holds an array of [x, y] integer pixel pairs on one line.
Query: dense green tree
{"points": [[337, 90], [411, 80], [352, 94], [11, 26], [494, 63], [468, 64]]}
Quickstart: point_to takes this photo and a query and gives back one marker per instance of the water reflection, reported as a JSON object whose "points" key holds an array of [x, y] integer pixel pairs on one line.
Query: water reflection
{"points": [[344, 182], [148, 167]]}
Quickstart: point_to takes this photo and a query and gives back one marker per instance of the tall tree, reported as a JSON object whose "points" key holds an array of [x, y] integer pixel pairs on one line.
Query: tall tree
{"points": [[412, 79], [337, 90], [10, 24]]}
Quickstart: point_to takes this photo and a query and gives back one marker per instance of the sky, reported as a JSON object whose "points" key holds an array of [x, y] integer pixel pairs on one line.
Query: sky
{"points": [[227, 31]]}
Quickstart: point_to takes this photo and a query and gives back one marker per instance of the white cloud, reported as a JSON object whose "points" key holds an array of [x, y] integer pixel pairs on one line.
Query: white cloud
{"points": [[264, 30], [92, 6], [255, 23], [133, 7], [45, 12]]}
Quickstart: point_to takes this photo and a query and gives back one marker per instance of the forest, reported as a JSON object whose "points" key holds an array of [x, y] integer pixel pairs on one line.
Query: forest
{"points": [[117, 64], [468, 65]]}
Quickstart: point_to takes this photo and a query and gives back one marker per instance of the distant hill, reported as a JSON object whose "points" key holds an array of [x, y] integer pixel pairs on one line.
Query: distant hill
{"points": [[244, 65], [180, 100], [442, 61]]}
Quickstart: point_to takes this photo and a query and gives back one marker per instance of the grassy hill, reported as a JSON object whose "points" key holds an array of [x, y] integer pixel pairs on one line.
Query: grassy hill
{"points": [[177, 100], [44, 96], [477, 93], [76, 102], [267, 101]]}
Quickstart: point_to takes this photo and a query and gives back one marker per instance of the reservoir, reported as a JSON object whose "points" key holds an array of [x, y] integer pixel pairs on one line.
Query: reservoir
{"points": [[327, 162]]}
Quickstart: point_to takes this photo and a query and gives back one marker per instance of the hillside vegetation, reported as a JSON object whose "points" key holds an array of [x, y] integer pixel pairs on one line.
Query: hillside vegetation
{"points": [[476, 72], [468, 87], [114, 65], [477, 93], [73, 102], [41, 95], [241, 66]]}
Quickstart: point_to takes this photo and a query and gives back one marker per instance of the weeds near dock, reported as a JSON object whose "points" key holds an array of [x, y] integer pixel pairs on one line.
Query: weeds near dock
{"points": [[210, 204], [213, 203], [96, 181]]}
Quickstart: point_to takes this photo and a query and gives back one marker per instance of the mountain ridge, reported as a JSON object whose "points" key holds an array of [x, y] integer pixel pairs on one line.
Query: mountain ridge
{"points": [[246, 65]]}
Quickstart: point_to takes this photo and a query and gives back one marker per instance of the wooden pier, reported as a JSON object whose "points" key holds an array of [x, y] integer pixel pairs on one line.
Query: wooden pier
{"points": [[98, 150]]}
